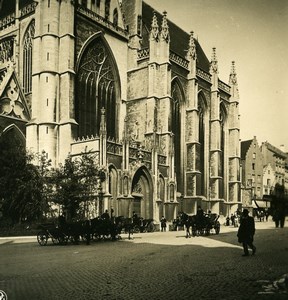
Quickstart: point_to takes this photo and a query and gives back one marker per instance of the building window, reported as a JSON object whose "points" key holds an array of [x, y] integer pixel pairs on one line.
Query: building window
{"points": [[175, 124], [27, 57], [115, 17], [254, 155], [97, 87], [253, 166]]}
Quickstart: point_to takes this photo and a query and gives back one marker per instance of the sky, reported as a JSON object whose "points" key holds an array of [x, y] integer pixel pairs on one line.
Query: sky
{"points": [[254, 34]]}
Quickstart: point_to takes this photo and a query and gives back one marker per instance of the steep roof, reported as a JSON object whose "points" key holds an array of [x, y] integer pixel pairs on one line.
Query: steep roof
{"points": [[245, 145], [179, 39], [275, 150]]}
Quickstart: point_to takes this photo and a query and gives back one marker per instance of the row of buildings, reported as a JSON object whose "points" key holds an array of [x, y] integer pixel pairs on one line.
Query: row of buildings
{"points": [[119, 79], [264, 167]]}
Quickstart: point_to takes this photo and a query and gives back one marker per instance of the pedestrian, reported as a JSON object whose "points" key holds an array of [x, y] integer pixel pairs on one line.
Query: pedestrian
{"points": [[266, 214], [279, 217], [163, 224], [246, 232], [232, 220], [227, 221]]}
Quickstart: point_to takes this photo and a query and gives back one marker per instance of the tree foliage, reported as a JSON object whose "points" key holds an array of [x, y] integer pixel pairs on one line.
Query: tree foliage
{"points": [[28, 185], [76, 182], [21, 183]]}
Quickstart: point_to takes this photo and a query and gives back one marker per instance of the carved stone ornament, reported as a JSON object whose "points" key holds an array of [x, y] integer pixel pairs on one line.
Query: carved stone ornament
{"points": [[154, 33], [10, 102]]}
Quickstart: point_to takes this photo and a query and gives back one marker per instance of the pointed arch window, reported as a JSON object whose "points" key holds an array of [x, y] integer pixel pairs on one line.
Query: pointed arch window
{"points": [[175, 125], [201, 147], [221, 165], [97, 88], [115, 17], [27, 57]]}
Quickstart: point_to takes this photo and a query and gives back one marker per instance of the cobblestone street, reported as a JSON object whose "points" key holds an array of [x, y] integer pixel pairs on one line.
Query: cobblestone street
{"points": [[151, 266]]}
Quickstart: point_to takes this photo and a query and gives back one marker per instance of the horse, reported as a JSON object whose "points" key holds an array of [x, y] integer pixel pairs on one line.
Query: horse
{"points": [[188, 222], [199, 225]]}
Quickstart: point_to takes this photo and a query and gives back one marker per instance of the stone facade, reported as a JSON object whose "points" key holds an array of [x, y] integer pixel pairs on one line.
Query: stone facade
{"points": [[252, 170], [134, 88]]}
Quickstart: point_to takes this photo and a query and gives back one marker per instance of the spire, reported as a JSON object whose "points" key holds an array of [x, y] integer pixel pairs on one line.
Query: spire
{"points": [[233, 75], [191, 54], [164, 28], [154, 33], [214, 62], [233, 82]]}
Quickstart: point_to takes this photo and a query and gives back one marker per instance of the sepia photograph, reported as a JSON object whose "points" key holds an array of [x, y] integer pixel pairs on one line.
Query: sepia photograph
{"points": [[143, 149]]}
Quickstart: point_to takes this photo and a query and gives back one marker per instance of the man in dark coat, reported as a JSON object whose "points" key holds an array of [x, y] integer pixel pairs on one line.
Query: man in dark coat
{"points": [[246, 232]]}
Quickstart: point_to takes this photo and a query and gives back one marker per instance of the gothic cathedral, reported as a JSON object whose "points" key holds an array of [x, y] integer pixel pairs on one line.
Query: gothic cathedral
{"points": [[119, 79]]}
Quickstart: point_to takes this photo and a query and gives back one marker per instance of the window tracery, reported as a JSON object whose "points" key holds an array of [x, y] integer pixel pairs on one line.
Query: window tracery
{"points": [[27, 57], [96, 89], [6, 50], [201, 147], [175, 125]]}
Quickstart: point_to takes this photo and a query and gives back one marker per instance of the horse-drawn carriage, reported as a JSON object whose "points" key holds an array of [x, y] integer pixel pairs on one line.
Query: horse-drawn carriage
{"points": [[53, 232], [199, 225], [95, 229]]}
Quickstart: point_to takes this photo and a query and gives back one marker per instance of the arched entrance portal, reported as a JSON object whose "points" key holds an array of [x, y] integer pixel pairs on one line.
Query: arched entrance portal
{"points": [[142, 193]]}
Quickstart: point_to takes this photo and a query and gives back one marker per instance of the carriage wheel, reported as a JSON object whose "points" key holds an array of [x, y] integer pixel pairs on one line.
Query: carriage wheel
{"points": [[63, 240], [42, 238], [55, 240], [151, 227], [136, 229]]}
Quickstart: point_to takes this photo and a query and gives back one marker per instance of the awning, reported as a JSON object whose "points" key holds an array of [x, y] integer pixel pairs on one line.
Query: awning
{"points": [[261, 204]]}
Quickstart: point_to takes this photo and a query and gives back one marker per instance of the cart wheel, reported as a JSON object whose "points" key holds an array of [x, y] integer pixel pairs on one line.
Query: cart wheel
{"points": [[42, 238], [151, 227], [55, 240], [136, 229], [63, 240]]}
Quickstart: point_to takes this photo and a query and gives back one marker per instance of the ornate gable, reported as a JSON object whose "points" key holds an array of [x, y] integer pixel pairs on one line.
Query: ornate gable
{"points": [[12, 99]]}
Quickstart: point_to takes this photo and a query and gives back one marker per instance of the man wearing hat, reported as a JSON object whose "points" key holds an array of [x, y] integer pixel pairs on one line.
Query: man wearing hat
{"points": [[246, 232]]}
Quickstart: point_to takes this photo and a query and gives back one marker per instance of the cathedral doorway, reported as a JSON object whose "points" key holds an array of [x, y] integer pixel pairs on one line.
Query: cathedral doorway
{"points": [[142, 192]]}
